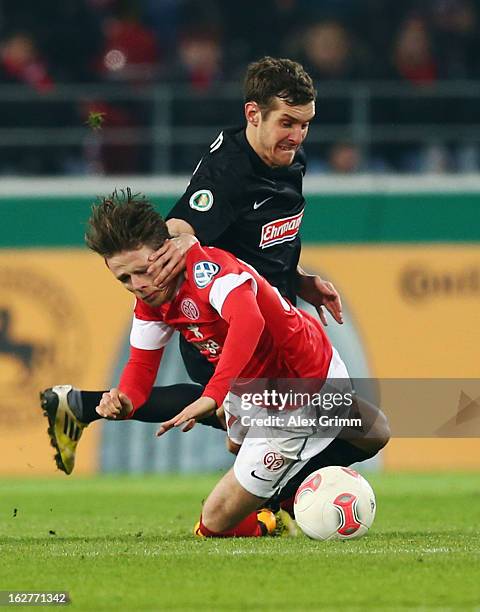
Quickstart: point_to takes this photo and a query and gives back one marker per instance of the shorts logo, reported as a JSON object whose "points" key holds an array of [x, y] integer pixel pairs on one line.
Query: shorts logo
{"points": [[252, 473], [281, 230], [203, 272], [190, 309], [201, 200], [273, 461]]}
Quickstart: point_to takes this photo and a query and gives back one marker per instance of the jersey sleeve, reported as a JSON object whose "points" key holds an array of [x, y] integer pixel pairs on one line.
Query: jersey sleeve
{"points": [[148, 337], [230, 287], [207, 204], [215, 273], [148, 331], [224, 285], [246, 323], [138, 376]]}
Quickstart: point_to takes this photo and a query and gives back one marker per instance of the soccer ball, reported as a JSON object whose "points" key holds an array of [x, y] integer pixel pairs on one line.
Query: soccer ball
{"points": [[335, 503]]}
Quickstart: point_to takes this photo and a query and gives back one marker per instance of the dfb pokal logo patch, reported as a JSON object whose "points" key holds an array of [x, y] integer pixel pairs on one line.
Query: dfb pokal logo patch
{"points": [[273, 461], [190, 309], [201, 200], [203, 272]]}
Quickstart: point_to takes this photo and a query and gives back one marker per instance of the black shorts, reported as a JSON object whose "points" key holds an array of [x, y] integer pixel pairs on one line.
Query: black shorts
{"points": [[198, 367]]}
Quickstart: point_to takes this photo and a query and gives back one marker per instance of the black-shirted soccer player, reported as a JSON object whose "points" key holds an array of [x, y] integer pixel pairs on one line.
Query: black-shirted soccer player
{"points": [[245, 196]]}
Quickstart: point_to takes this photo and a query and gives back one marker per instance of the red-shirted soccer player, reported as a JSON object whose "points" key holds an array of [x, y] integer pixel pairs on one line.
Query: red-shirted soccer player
{"points": [[241, 324], [245, 196]]}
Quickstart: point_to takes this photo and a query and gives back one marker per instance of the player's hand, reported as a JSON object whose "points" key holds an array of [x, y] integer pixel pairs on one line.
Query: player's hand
{"points": [[169, 260], [114, 405], [221, 417], [320, 293], [203, 407]]}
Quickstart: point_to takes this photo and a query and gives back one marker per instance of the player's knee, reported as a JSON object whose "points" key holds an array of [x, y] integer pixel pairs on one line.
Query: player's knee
{"points": [[379, 434], [213, 518], [382, 431], [375, 437]]}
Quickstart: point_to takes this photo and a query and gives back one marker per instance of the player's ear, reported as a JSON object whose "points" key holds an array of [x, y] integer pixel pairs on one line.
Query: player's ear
{"points": [[252, 113]]}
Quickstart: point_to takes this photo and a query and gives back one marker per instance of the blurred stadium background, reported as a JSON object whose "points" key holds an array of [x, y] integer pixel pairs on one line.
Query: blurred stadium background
{"points": [[393, 214]]}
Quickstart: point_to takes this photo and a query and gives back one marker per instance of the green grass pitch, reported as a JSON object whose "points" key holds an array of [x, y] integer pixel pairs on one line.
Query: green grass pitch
{"points": [[125, 543]]}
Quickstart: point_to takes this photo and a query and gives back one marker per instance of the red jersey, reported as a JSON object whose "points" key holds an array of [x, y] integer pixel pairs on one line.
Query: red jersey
{"points": [[235, 318]]}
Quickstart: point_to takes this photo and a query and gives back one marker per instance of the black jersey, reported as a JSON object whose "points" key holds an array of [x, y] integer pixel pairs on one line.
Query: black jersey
{"points": [[236, 202]]}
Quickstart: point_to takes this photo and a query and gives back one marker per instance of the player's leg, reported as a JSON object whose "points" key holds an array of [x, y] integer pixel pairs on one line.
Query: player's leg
{"points": [[374, 432], [163, 404], [70, 410], [231, 508], [354, 444], [350, 446], [227, 506], [64, 428], [338, 452]]}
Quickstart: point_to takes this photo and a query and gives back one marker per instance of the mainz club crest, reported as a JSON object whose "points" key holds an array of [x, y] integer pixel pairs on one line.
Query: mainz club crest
{"points": [[190, 309]]}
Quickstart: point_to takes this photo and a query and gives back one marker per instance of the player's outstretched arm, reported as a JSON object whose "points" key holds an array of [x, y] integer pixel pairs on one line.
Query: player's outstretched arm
{"points": [[114, 405], [201, 408], [245, 326], [319, 293], [169, 260], [139, 375]]}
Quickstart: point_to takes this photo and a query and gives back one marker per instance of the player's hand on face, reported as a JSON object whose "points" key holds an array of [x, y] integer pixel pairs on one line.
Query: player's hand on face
{"points": [[169, 260], [198, 409], [114, 405], [321, 293]]}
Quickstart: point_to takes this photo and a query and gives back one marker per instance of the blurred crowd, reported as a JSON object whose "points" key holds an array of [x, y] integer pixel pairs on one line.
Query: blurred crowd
{"points": [[202, 44]]}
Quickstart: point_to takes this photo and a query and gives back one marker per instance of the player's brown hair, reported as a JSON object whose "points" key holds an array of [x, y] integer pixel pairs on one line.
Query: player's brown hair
{"points": [[124, 221], [270, 78]]}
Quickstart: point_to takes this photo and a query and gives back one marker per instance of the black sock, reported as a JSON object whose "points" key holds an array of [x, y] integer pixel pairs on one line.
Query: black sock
{"points": [[166, 402], [89, 400], [163, 404], [83, 404], [338, 452]]}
